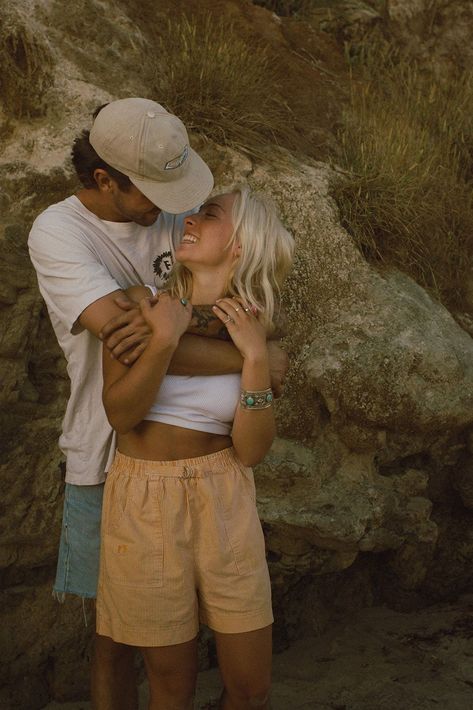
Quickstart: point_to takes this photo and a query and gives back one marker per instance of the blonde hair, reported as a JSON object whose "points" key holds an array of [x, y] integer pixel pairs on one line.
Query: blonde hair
{"points": [[266, 251]]}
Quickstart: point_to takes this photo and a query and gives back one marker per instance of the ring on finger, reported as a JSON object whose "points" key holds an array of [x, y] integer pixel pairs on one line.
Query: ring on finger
{"points": [[237, 309], [247, 310]]}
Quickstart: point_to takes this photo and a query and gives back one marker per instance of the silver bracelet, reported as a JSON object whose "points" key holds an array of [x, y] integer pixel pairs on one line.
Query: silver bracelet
{"points": [[260, 399]]}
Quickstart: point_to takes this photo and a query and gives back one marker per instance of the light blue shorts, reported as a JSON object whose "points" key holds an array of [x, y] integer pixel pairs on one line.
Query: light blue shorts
{"points": [[79, 547]]}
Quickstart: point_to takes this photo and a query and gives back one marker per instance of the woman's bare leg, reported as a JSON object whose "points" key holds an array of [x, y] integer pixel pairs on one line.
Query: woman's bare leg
{"points": [[172, 672], [245, 665], [113, 678]]}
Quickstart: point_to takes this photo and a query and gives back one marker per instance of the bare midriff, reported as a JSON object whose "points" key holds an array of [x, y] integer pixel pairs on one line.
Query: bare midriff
{"points": [[155, 441]]}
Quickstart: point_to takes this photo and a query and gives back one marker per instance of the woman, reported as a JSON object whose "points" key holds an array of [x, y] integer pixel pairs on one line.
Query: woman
{"points": [[181, 539]]}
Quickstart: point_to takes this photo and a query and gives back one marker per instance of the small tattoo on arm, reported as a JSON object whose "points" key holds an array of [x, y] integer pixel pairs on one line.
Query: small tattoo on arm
{"points": [[205, 322]]}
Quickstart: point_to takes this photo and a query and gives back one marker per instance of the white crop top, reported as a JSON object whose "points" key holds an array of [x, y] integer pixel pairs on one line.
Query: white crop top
{"points": [[206, 403]]}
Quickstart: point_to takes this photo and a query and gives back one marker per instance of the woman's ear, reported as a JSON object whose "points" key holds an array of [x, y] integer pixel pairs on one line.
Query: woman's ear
{"points": [[237, 249]]}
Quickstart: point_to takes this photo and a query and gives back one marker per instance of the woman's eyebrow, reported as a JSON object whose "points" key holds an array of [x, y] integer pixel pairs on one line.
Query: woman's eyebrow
{"points": [[213, 204]]}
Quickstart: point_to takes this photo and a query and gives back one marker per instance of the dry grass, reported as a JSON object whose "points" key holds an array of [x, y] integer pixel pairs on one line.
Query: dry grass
{"points": [[25, 62], [407, 145], [222, 86]]}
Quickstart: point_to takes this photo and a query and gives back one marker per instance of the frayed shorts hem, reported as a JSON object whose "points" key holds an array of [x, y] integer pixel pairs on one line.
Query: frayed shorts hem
{"points": [[61, 594]]}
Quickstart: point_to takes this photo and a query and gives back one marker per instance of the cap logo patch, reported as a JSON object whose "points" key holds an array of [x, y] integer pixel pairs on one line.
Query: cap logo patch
{"points": [[177, 162]]}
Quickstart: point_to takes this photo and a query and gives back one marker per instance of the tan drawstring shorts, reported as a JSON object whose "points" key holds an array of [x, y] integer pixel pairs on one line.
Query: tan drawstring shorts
{"points": [[181, 541]]}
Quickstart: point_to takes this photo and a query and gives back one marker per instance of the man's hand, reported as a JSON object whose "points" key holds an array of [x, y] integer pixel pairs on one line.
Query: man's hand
{"points": [[126, 335], [278, 366]]}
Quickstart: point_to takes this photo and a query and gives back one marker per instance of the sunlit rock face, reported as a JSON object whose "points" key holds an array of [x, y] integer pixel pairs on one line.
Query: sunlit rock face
{"points": [[369, 485], [377, 408]]}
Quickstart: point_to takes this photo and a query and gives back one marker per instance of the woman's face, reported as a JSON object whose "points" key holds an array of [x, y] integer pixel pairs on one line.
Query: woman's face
{"points": [[207, 233]]}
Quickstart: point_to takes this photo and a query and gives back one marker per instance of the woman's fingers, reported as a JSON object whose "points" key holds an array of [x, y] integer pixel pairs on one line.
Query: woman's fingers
{"points": [[234, 308], [226, 314], [246, 331]]}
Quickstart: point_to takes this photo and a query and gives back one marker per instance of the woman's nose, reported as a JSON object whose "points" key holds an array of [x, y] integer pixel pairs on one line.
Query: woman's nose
{"points": [[190, 219]]}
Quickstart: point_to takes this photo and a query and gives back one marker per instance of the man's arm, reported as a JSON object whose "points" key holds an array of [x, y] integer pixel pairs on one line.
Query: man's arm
{"points": [[205, 356], [101, 312], [75, 284], [196, 355], [207, 347], [136, 334], [216, 352], [219, 355]]}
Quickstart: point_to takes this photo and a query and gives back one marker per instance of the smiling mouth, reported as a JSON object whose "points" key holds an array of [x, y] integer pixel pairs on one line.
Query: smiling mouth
{"points": [[188, 239]]}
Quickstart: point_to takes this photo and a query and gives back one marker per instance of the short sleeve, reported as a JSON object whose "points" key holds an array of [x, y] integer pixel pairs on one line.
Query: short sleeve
{"points": [[70, 274]]}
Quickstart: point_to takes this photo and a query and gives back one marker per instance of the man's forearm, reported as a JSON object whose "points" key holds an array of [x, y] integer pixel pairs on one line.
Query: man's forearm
{"points": [[196, 355], [211, 355], [205, 322], [207, 348]]}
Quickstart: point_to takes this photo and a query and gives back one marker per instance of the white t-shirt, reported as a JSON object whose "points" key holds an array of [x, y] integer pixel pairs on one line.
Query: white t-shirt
{"points": [[80, 258]]}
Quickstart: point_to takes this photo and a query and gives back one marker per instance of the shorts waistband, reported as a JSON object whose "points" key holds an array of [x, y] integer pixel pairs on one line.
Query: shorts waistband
{"points": [[198, 467]]}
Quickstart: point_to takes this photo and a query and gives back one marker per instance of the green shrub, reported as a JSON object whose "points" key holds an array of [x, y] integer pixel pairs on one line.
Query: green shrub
{"points": [[407, 196]]}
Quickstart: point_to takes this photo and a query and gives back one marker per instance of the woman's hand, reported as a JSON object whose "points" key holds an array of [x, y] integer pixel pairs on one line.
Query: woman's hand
{"points": [[245, 330], [168, 318]]}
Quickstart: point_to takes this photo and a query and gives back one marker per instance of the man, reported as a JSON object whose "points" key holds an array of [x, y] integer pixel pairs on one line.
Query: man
{"points": [[112, 234]]}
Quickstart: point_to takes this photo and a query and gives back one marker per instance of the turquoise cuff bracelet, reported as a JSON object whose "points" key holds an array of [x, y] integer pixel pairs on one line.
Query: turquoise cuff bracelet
{"points": [[260, 399]]}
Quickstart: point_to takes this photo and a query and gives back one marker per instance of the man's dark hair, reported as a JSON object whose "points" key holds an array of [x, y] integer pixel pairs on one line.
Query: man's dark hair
{"points": [[86, 161]]}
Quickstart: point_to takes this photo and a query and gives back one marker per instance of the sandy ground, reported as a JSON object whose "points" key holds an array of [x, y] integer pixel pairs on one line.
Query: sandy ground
{"points": [[377, 660]]}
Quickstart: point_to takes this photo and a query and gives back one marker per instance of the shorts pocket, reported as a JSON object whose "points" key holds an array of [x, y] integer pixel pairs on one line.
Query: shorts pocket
{"points": [[133, 544], [248, 481], [239, 516]]}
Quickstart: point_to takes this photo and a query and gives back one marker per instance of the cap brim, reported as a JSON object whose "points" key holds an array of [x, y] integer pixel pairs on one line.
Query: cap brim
{"points": [[183, 194]]}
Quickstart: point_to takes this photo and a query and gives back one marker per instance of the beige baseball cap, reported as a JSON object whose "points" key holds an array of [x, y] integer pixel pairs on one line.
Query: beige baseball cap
{"points": [[141, 139]]}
